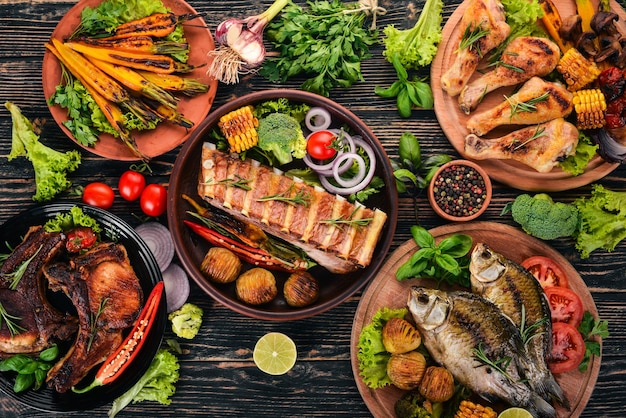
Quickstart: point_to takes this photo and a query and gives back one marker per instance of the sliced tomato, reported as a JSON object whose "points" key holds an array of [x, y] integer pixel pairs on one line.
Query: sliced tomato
{"points": [[546, 270], [568, 348], [80, 238], [565, 305]]}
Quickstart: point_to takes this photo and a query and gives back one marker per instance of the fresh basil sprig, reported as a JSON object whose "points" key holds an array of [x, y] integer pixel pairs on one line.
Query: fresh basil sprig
{"points": [[30, 371], [447, 261]]}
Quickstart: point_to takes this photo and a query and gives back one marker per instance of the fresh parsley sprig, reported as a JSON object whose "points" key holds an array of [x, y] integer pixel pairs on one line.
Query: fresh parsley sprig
{"points": [[591, 328]]}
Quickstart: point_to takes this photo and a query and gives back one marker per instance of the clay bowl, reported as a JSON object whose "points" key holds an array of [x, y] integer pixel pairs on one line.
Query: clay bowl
{"points": [[191, 249]]}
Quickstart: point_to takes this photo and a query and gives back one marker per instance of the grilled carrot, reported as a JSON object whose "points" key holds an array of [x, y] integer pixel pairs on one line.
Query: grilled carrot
{"points": [[157, 25], [135, 82], [175, 83], [137, 44], [161, 64], [552, 21], [172, 115]]}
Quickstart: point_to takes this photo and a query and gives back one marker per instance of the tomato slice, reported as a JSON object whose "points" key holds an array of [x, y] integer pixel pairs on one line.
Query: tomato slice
{"points": [[565, 305], [568, 348], [546, 270], [80, 238]]}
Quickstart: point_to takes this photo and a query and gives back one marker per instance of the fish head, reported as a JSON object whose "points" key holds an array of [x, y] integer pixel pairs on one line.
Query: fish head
{"points": [[486, 266], [429, 307]]}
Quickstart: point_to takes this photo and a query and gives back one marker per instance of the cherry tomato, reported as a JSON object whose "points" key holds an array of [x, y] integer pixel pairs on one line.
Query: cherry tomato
{"points": [[319, 145], [98, 194], [546, 270], [565, 305], [153, 200], [80, 238], [568, 348], [131, 185]]}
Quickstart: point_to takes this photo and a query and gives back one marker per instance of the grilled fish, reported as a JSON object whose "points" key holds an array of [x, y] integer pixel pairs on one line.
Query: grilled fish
{"points": [[300, 215], [455, 324], [521, 298]]}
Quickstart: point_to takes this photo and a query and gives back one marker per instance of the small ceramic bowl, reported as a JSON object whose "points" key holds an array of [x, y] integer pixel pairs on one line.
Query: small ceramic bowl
{"points": [[460, 191]]}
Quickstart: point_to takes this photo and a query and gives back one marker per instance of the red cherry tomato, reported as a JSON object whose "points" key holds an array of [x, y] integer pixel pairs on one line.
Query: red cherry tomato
{"points": [[80, 238], [568, 348], [546, 270], [565, 305], [131, 185], [319, 145], [98, 194], [153, 200]]}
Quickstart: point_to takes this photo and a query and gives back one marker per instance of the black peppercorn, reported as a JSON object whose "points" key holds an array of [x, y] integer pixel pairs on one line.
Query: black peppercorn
{"points": [[459, 190]]}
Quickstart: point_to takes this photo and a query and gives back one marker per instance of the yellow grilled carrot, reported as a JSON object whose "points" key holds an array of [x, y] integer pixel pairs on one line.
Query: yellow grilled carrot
{"points": [[586, 10], [137, 44], [172, 115], [135, 82], [552, 21], [161, 64], [175, 83], [156, 25]]}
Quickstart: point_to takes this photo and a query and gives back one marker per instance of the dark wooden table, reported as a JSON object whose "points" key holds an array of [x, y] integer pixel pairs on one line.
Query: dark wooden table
{"points": [[218, 376]]}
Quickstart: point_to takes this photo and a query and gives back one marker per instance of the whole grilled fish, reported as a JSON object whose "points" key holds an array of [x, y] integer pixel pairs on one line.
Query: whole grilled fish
{"points": [[456, 325], [520, 297]]}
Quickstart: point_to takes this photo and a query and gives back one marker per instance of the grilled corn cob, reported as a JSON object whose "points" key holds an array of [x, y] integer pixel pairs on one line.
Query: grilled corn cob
{"points": [[577, 70], [468, 409], [239, 128], [590, 106]]}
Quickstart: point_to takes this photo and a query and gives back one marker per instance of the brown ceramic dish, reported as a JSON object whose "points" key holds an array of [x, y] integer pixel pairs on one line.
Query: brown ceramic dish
{"points": [[484, 193], [166, 136], [191, 249]]}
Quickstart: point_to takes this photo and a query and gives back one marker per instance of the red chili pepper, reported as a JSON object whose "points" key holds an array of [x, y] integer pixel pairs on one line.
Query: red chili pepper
{"points": [[254, 256], [117, 362]]}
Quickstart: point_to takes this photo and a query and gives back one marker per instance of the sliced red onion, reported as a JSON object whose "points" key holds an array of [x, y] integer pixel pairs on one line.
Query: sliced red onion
{"points": [[352, 157], [345, 191], [317, 119], [158, 238], [326, 167], [176, 287]]}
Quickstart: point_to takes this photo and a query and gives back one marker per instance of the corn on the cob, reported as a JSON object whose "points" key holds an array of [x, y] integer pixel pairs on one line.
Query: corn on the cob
{"points": [[468, 409], [239, 128], [590, 107], [577, 70]]}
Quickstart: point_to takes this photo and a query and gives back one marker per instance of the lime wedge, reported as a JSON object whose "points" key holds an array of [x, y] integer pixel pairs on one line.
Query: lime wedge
{"points": [[275, 353], [515, 413]]}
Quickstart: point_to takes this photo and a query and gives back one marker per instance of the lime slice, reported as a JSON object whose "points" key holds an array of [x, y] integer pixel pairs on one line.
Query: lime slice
{"points": [[275, 353], [515, 413]]}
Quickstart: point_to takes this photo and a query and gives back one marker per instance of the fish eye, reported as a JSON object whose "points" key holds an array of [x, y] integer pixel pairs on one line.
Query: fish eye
{"points": [[423, 299]]}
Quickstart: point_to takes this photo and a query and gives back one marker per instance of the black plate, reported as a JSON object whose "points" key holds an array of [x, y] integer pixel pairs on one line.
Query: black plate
{"points": [[147, 270]]}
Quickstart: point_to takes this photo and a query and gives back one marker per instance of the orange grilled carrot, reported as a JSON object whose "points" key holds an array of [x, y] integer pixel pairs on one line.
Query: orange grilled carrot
{"points": [[156, 25], [137, 44], [175, 83]]}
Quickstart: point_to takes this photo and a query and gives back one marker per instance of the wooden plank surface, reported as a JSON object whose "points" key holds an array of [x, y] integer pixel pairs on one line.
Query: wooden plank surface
{"points": [[218, 377]]}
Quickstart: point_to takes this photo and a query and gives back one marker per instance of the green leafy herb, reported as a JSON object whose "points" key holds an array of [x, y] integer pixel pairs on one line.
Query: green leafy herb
{"points": [[350, 220], [238, 182], [93, 321], [327, 43], [500, 364], [585, 151], [537, 134], [470, 39], [9, 319], [408, 93], [66, 221], [17, 275], [300, 198], [30, 371], [529, 106], [447, 261], [591, 328], [531, 331]]}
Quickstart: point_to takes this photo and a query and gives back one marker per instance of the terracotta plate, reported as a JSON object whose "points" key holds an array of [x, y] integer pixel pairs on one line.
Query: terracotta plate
{"points": [[386, 291], [166, 136], [453, 121]]}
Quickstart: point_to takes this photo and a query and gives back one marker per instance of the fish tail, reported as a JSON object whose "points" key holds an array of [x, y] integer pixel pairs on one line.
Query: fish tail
{"points": [[550, 389], [540, 408]]}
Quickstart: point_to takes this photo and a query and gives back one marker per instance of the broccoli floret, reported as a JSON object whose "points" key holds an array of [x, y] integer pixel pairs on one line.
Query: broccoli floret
{"points": [[410, 405], [542, 217], [186, 321], [282, 135], [51, 166]]}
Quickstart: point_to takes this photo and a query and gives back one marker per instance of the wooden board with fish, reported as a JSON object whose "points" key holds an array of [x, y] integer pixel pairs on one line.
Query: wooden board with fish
{"points": [[386, 291], [454, 121]]}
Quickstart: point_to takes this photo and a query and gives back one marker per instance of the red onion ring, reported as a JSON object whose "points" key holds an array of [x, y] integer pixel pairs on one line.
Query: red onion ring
{"points": [[352, 157], [345, 191], [312, 116]]}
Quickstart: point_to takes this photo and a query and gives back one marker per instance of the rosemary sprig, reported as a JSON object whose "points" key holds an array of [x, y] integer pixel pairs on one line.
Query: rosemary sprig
{"points": [[529, 106], [239, 182], [500, 365], [93, 321], [531, 331], [17, 275], [471, 37], [350, 221], [8, 319], [300, 198], [538, 133]]}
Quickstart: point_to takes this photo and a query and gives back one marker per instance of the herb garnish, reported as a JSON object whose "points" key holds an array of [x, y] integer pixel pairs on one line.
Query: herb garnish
{"points": [[341, 221], [500, 365], [589, 328], [470, 39], [17, 275], [537, 134], [238, 182], [300, 198], [29, 370], [529, 106], [8, 319], [531, 331], [93, 321]]}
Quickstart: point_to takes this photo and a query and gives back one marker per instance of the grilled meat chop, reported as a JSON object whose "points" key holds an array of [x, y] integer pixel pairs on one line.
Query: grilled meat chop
{"points": [[340, 249], [41, 323], [103, 287]]}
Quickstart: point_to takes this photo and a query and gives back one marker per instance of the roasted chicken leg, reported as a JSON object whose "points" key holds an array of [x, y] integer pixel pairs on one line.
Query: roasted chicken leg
{"points": [[536, 102], [523, 58], [540, 147], [484, 22]]}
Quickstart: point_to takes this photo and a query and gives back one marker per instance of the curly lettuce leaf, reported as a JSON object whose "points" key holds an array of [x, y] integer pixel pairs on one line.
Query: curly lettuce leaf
{"points": [[371, 353], [585, 151]]}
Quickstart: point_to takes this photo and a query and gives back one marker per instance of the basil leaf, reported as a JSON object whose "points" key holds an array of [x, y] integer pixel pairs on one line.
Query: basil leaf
{"points": [[422, 237], [23, 382], [403, 175], [409, 149], [456, 245], [447, 262], [14, 363], [49, 354]]}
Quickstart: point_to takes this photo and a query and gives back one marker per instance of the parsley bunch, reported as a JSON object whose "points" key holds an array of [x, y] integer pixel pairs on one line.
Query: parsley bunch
{"points": [[326, 43]]}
